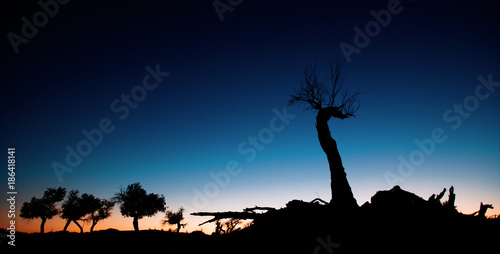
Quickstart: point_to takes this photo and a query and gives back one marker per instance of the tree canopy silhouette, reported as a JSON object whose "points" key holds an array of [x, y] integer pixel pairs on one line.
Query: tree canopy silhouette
{"points": [[175, 218], [316, 94], [73, 210], [136, 203], [44, 207], [330, 99], [96, 209]]}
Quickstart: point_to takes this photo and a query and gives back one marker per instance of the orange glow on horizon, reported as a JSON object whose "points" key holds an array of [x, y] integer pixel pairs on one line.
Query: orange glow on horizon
{"points": [[116, 221]]}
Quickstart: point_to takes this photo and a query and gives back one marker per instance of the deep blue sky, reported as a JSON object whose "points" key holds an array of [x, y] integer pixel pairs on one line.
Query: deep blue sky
{"points": [[226, 77]]}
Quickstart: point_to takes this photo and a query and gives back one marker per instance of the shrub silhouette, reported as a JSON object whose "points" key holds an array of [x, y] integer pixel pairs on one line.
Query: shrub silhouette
{"points": [[226, 227], [231, 225], [175, 218], [136, 203], [44, 207]]}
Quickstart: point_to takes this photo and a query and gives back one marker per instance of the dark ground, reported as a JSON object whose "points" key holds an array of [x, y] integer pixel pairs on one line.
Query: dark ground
{"points": [[396, 221]]}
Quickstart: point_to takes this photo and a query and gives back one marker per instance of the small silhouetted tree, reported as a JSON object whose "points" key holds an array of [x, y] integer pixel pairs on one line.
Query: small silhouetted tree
{"points": [[226, 227], [175, 218], [73, 210], [136, 203], [231, 225], [218, 228], [330, 99], [44, 207], [96, 209]]}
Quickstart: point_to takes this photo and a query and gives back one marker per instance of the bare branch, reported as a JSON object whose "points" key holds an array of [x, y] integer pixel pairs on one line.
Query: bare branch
{"points": [[311, 93], [253, 209], [226, 215], [315, 94]]}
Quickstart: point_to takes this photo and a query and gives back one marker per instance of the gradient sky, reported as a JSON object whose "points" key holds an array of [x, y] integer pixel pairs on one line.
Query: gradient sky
{"points": [[227, 78]]}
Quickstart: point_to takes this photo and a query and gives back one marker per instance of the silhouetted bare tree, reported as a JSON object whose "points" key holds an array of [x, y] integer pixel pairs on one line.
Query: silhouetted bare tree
{"points": [[96, 209], [227, 227], [330, 99], [481, 213], [44, 207], [231, 225], [73, 210], [218, 228], [175, 218], [136, 203]]}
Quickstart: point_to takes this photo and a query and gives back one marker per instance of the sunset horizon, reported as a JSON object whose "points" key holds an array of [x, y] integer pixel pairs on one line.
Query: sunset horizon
{"points": [[219, 106]]}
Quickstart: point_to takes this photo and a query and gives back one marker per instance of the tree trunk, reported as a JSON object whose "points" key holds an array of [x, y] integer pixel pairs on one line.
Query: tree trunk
{"points": [[94, 222], [178, 227], [67, 224], [80, 227], [136, 223], [42, 225], [342, 197]]}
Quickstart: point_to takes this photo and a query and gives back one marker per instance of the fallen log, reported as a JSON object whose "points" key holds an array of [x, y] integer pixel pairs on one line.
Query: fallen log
{"points": [[247, 214], [226, 215]]}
